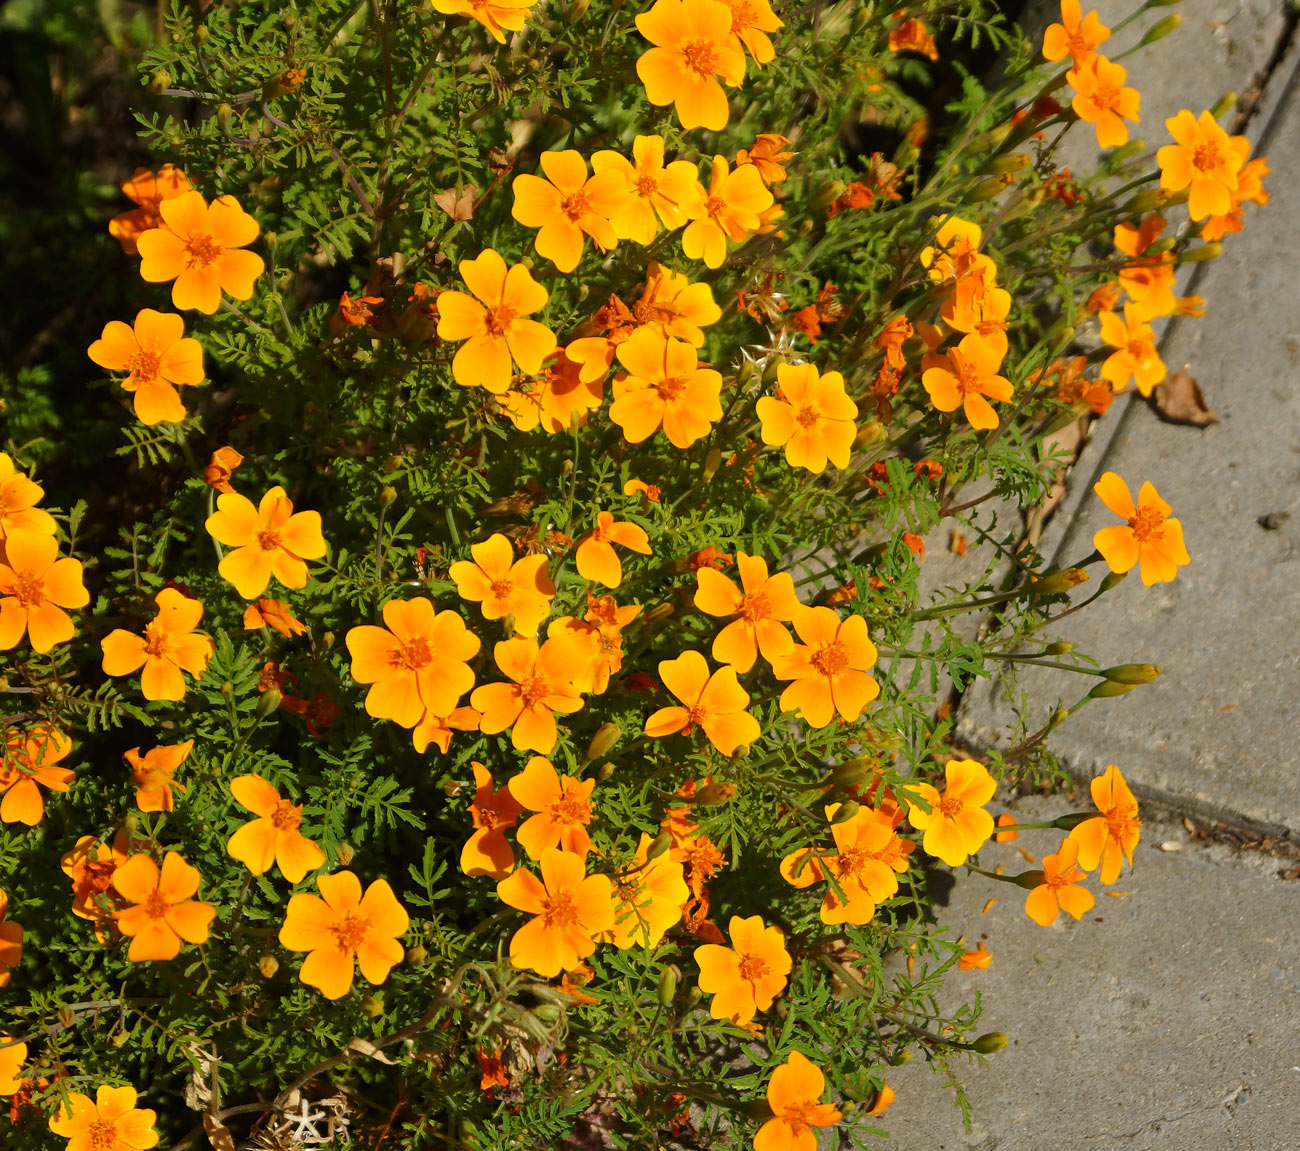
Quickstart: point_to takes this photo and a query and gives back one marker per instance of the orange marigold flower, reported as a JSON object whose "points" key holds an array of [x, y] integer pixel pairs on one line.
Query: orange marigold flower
{"points": [[163, 912], [438, 729], [715, 703], [664, 385], [650, 191], [563, 806], [497, 16], [342, 925], [168, 647], [541, 684], [649, 898], [758, 609], [568, 907], [597, 652], [976, 307], [1103, 299], [156, 359], [811, 416], [354, 312], [966, 377], [1250, 188], [274, 836], [956, 253], [268, 540], [794, 1095], [555, 399], [855, 197], [416, 664], [493, 323], [11, 941], [641, 488], [35, 587], [977, 960], [487, 851], [1150, 540], [200, 246], [221, 467], [18, 499], [746, 977], [956, 824], [597, 561], [675, 306], [492, 1073], [12, 1057], [891, 340], [1135, 356], [1102, 100], [153, 775], [1060, 888], [148, 191], [1108, 839], [884, 1097], [504, 587], [915, 544], [733, 207], [1076, 36], [828, 668], [913, 36], [568, 203], [1206, 159], [751, 20], [1148, 280], [111, 1122], [90, 865], [273, 613], [693, 48], [767, 153]]}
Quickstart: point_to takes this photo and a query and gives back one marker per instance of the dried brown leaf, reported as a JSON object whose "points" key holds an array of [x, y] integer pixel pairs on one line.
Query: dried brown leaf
{"points": [[365, 1047], [1180, 401], [458, 205]]}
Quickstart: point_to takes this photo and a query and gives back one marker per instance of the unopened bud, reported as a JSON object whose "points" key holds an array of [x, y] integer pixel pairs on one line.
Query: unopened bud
{"points": [[1059, 716], [547, 1012], [1029, 879], [1112, 580], [387, 497], [604, 771], [991, 187], [346, 853], [1127, 151], [1149, 201], [327, 640], [1108, 690], [850, 772], [904, 1056], [1161, 246], [269, 702], [712, 462], [1060, 647], [712, 794], [826, 195], [1071, 821], [661, 843], [159, 82], [694, 995], [372, 1006], [416, 955], [268, 965], [990, 1042], [224, 112], [201, 34], [1223, 105], [658, 612], [872, 432], [1006, 165], [668, 978], [227, 688], [67, 1016], [1161, 29], [1199, 255], [607, 735], [846, 811], [119, 1037], [1059, 581], [1173, 199], [1132, 673], [290, 21], [744, 373], [576, 10]]}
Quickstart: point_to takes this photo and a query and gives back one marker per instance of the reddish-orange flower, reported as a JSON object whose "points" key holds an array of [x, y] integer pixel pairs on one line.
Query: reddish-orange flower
{"points": [[956, 824], [694, 48], [555, 399], [163, 912], [732, 208], [829, 668], [1076, 36], [168, 646], [112, 1122], [715, 703], [977, 960], [1150, 541], [153, 774], [812, 417], [758, 609], [767, 154], [273, 837], [35, 587], [487, 851], [148, 191], [30, 762], [269, 540], [569, 909], [913, 36], [90, 865], [567, 204], [1102, 100], [273, 613], [596, 558], [1249, 189], [892, 338], [1206, 159], [746, 977], [664, 386], [221, 467], [156, 359], [794, 1094], [504, 587], [1060, 888], [967, 377], [541, 684], [563, 806], [1108, 839]]}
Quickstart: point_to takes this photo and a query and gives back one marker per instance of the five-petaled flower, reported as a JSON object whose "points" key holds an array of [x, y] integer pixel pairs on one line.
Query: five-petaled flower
{"points": [[148, 191], [811, 416], [157, 356], [1108, 838], [541, 684], [732, 207], [274, 836], [154, 775], [694, 48], [956, 824], [746, 977], [675, 306], [1135, 356], [163, 910], [596, 558], [269, 540], [715, 703], [503, 586], [664, 385], [1102, 100], [652, 191], [967, 377], [759, 608], [829, 668], [1076, 36], [569, 908], [497, 16], [567, 204], [487, 851], [31, 758], [11, 941], [35, 588], [563, 806], [1059, 887], [1150, 541], [109, 1122], [168, 647], [19, 496], [794, 1094], [649, 897], [1206, 159]]}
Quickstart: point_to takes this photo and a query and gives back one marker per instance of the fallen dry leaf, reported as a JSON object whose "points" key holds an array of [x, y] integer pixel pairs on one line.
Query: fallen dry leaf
{"points": [[457, 206], [1179, 400]]}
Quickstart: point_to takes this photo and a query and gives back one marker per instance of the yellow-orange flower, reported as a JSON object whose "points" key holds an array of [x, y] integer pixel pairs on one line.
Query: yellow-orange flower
{"points": [[956, 253], [967, 377], [1060, 889], [715, 703], [1204, 157], [568, 907], [168, 647], [652, 191], [1076, 36], [19, 496], [768, 155], [956, 824], [563, 806], [341, 926], [812, 417], [541, 684], [760, 606], [30, 759], [487, 851], [671, 303], [438, 729], [794, 1095], [555, 399], [751, 20], [221, 466], [596, 558], [493, 323], [913, 36], [664, 385], [35, 587], [273, 613], [1135, 356], [153, 775], [977, 960], [732, 207], [12, 1057], [746, 977], [148, 191], [567, 204], [1108, 839], [976, 306], [649, 898], [1148, 280], [891, 340], [274, 836], [269, 540], [200, 246], [111, 1122], [11, 942], [829, 668], [417, 663], [1102, 100], [1150, 541], [157, 356], [163, 912], [693, 49], [497, 16], [503, 587], [1249, 189]]}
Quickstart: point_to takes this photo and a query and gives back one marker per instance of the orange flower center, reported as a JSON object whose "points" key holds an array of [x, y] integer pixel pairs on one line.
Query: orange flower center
{"points": [[950, 806], [502, 588], [155, 640], [569, 809], [1106, 96], [268, 541], [350, 931], [752, 967], [967, 377], [575, 206], [202, 250], [29, 588], [534, 690], [155, 907], [102, 1135], [695, 716], [1146, 523], [742, 17], [701, 58], [1121, 819], [499, 319], [716, 206], [143, 366], [1206, 156], [831, 659], [560, 911], [755, 606], [286, 817], [669, 389], [807, 417], [646, 186], [412, 655]]}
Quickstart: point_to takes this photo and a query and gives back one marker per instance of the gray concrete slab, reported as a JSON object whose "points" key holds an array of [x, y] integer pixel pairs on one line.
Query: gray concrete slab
{"points": [[1163, 1021]]}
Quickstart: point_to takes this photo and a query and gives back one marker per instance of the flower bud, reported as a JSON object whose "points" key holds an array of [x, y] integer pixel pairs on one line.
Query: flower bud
{"points": [[826, 195], [1173, 199], [1071, 821], [607, 735], [227, 689], [1223, 105], [346, 853], [224, 112], [658, 612], [661, 843], [1006, 165], [991, 187], [712, 462], [159, 82], [327, 640], [1058, 582], [1127, 152], [1029, 879], [1161, 29], [1149, 201], [990, 1042], [119, 1037], [712, 794], [201, 34], [1108, 690], [850, 772], [1059, 648], [846, 811], [268, 702], [1161, 246], [872, 432], [387, 497], [416, 955], [547, 1012], [1113, 580], [694, 995], [668, 978], [1132, 673], [604, 771], [744, 373], [372, 1006], [904, 1056], [66, 1016], [268, 965], [1204, 252]]}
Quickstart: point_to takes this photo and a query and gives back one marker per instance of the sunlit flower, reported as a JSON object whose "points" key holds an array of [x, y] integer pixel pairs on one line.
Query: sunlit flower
{"points": [[751, 20], [811, 416], [767, 154], [19, 496], [157, 356], [1061, 888], [1108, 839], [502, 586], [35, 588], [12, 1057], [715, 703], [567, 204], [731, 208], [956, 253], [652, 191], [148, 191], [417, 663], [274, 836], [554, 399], [913, 36], [892, 338], [1135, 356], [342, 926], [221, 467], [671, 303], [563, 806], [693, 49], [438, 729], [746, 977], [568, 907], [153, 774], [168, 647], [794, 1095], [967, 377], [541, 684], [977, 960], [487, 851], [1148, 280], [275, 614], [641, 488], [1102, 100], [865, 864], [1076, 36], [664, 385], [648, 899], [976, 307], [759, 608], [163, 911], [1206, 159], [493, 323], [1150, 540], [956, 824], [91, 864], [11, 941], [497, 16], [596, 558], [269, 540], [1249, 189], [829, 668], [111, 1122], [200, 246]]}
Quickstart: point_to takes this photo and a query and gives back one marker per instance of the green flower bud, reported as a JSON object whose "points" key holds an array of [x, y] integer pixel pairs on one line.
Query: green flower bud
{"points": [[224, 113], [1058, 582], [712, 462], [846, 811], [826, 195], [1006, 165], [416, 955], [1113, 580], [1071, 821], [668, 978], [990, 1042], [1223, 105], [159, 82], [1161, 29], [1201, 254], [1132, 673], [1059, 648], [372, 1006], [1108, 690], [607, 735], [268, 702], [661, 843]]}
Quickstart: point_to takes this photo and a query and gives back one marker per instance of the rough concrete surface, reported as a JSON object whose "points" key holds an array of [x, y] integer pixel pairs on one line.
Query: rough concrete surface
{"points": [[1165, 1020]]}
